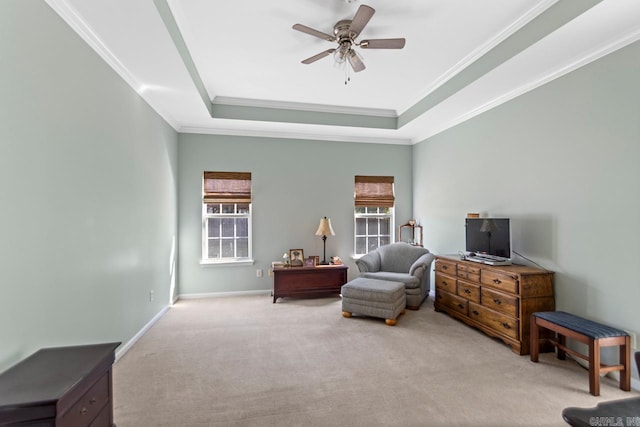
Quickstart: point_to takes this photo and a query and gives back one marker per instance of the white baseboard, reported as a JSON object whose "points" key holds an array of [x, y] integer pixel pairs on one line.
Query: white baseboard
{"points": [[124, 348], [223, 294]]}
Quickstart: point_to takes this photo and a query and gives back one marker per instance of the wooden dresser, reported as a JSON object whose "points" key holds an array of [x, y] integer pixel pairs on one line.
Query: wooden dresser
{"points": [[498, 300], [308, 281], [63, 386]]}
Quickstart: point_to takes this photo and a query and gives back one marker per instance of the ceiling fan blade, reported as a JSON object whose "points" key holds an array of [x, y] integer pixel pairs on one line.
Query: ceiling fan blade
{"points": [[316, 33], [382, 44], [360, 19], [321, 55], [355, 61]]}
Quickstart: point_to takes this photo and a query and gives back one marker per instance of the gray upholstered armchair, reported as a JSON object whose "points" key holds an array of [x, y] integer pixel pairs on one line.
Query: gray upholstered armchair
{"points": [[400, 262]]}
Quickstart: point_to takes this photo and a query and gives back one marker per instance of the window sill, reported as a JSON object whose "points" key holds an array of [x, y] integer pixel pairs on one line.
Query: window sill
{"points": [[225, 263]]}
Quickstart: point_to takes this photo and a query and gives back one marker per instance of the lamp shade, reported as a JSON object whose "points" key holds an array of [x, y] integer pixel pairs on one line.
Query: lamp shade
{"points": [[325, 229]]}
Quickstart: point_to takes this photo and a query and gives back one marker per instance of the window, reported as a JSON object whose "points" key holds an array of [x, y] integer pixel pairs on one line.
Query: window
{"points": [[226, 216], [373, 217]]}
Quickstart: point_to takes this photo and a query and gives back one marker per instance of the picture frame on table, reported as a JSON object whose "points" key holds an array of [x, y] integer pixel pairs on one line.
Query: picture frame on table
{"points": [[296, 257], [310, 262]]}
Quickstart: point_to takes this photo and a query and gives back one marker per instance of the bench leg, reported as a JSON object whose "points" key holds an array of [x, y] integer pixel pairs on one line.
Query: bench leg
{"points": [[594, 367], [534, 340], [625, 361], [562, 340]]}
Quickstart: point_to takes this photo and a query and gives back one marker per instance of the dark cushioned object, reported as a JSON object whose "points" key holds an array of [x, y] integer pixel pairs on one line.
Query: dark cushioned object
{"points": [[581, 325]]}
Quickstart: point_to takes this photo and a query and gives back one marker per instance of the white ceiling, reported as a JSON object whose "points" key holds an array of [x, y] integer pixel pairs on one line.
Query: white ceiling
{"points": [[187, 58]]}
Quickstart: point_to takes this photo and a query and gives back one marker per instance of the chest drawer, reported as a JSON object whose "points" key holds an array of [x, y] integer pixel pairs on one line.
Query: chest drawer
{"points": [[499, 301], [500, 281], [468, 291], [468, 272], [89, 405], [445, 283], [447, 267], [452, 301], [499, 322]]}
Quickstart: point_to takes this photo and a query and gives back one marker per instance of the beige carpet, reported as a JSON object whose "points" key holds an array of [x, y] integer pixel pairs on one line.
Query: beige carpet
{"points": [[243, 361]]}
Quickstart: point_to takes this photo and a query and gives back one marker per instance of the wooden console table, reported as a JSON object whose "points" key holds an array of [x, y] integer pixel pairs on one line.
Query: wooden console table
{"points": [[63, 386], [308, 281]]}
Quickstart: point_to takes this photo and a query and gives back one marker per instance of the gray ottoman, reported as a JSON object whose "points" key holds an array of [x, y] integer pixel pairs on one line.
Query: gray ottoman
{"points": [[372, 297]]}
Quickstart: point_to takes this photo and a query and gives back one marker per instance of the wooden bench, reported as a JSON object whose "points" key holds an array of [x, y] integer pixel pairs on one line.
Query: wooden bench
{"points": [[595, 335]]}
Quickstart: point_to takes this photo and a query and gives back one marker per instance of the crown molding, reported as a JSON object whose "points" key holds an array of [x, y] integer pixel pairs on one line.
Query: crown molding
{"points": [[73, 19], [590, 56], [301, 106], [480, 51], [293, 135]]}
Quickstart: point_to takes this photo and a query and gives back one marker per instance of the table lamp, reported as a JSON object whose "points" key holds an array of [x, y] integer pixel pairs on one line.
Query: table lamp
{"points": [[324, 230]]}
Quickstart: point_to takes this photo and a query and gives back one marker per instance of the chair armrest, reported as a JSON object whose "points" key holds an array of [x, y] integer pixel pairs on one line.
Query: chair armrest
{"points": [[421, 265], [369, 262]]}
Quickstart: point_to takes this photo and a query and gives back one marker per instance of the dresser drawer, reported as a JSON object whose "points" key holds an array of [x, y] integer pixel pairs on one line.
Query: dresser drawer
{"points": [[446, 267], [469, 273], [499, 322], [87, 408], [446, 283], [468, 291], [499, 301], [500, 281], [454, 302]]}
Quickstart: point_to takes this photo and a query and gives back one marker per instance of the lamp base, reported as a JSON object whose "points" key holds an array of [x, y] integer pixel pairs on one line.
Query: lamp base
{"points": [[324, 262]]}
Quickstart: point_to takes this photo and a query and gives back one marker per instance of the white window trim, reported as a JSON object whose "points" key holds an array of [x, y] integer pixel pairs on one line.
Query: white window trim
{"points": [[392, 224], [226, 261]]}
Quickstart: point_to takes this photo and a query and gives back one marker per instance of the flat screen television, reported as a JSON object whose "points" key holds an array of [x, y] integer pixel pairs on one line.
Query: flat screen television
{"points": [[488, 236]]}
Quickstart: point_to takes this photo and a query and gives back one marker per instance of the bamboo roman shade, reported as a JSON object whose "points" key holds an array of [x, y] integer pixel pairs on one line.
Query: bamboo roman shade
{"points": [[374, 191], [227, 187]]}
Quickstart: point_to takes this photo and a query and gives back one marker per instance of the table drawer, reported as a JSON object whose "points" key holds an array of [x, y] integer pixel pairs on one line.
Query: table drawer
{"points": [[468, 291], [446, 283], [498, 301], [452, 301], [87, 408], [500, 281], [499, 322]]}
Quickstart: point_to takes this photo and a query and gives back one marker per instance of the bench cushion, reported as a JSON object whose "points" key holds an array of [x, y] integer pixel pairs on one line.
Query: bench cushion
{"points": [[581, 325]]}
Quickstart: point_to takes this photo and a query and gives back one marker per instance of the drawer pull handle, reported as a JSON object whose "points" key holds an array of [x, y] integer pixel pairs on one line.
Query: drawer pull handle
{"points": [[444, 267], [497, 301], [461, 305], [496, 281], [92, 401], [475, 312], [467, 291], [83, 411], [506, 326]]}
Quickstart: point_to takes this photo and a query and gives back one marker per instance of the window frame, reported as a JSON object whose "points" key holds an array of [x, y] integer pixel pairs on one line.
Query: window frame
{"points": [[377, 215], [373, 192], [209, 199]]}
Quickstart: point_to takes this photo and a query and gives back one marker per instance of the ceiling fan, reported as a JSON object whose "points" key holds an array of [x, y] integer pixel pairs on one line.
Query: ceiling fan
{"points": [[344, 33]]}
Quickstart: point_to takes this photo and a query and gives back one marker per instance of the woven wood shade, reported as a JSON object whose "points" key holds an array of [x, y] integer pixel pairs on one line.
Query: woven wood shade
{"points": [[374, 191], [227, 187]]}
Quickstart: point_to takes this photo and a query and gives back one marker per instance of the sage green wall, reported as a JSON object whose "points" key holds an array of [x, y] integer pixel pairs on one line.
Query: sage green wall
{"points": [[294, 184], [88, 188], [562, 161]]}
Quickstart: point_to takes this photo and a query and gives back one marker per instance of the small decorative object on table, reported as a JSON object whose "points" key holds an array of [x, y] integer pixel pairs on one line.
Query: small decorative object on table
{"points": [[310, 262], [285, 257], [335, 260], [297, 257]]}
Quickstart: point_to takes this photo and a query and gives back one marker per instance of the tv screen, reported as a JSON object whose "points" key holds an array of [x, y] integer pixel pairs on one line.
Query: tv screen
{"points": [[489, 236]]}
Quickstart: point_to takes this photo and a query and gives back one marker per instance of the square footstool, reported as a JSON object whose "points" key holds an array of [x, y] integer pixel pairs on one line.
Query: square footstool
{"points": [[373, 297]]}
